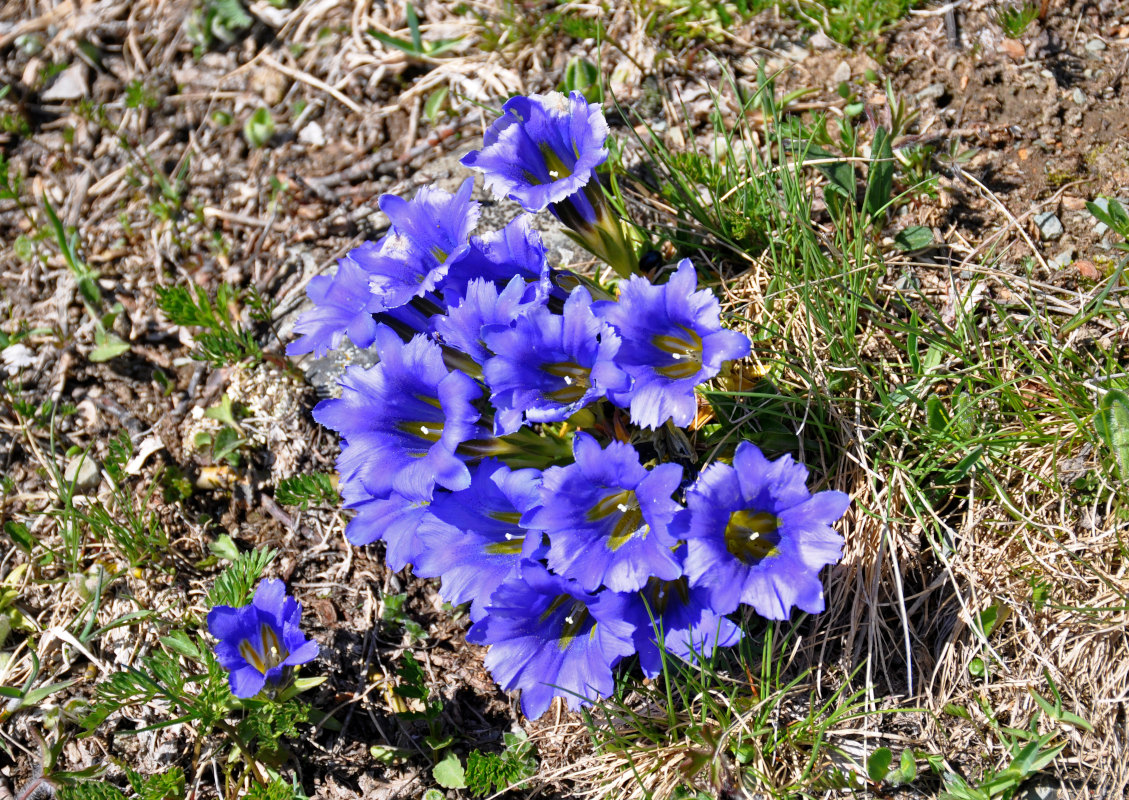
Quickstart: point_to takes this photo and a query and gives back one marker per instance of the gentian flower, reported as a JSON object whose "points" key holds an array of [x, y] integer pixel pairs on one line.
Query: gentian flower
{"points": [[757, 536], [403, 419], [259, 643], [429, 234], [484, 307], [472, 538], [543, 153], [672, 341], [681, 614], [547, 366], [499, 256], [608, 518], [343, 304], [393, 519], [551, 639]]}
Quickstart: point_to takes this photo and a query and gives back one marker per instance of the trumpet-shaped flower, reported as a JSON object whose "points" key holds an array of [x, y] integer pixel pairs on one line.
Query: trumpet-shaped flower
{"points": [[681, 616], [403, 420], [757, 536], [551, 639], [547, 366], [472, 538], [343, 304], [499, 256], [260, 642], [608, 518], [393, 519], [429, 233], [672, 341], [484, 308], [542, 149]]}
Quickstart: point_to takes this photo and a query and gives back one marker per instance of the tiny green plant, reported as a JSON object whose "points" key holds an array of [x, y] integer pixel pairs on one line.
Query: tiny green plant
{"points": [[304, 491], [1015, 19], [1109, 212], [487, 773], [224, 341], [259, 127], [415, 45]]}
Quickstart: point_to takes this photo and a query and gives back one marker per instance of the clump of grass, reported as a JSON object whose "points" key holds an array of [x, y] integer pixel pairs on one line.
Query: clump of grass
{"points": [[1015, 19], [965, 419]]}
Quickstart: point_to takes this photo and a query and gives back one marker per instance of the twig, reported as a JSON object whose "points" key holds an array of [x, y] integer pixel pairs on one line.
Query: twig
{"points": [[312, 81]]}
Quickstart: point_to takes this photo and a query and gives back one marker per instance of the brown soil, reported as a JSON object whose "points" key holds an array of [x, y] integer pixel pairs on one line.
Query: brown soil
{"points": [[1047, 121]]}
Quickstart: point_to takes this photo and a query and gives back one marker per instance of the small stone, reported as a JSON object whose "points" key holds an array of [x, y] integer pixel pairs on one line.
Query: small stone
{"points": [[1079, 97], [842, 73], [312, 134], [1100, 227], [1064, 258], [1013, 49], [821, 41], [1050, 227], [83, 472], [1095, 46], [71, 84], [930, 92], [1087, 269]]}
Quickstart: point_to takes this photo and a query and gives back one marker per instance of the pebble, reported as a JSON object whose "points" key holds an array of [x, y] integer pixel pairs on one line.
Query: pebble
{"points": [[312, 134], [71, 84], [84, 472], [1095, 46], [1050, 228], [821, 41], [842, 73], [930, 92], [1064, 259], [1079, 97], [1100, 227]]}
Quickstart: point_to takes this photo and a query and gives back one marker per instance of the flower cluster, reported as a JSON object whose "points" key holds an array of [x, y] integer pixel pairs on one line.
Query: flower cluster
{"points": [[503, 441]]}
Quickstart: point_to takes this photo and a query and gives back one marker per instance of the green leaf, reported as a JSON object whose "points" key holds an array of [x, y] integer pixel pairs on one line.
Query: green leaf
{"points": [[913, 238], [434, 103], [434, 794], [1112, 423], [20, 534], [878, 765], [227, 443], [259, 127], [107, 345], [907, 771], [224, 547], [178, 642], [581, 75], [448, 773], [880, 181], [413, 26], [976, 667]]}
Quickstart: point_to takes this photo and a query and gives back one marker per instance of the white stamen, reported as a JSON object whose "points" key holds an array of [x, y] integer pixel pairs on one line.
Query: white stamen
{"points": [[509, 536], [567, 380], [568, 619], [662, 593], [623, 508], [554, 174], [423, 429], [754, 536]]}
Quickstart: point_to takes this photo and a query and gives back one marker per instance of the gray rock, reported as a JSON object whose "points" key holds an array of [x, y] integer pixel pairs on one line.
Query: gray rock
{"points": [[1079, 97], [1095, 46], [1064, 258], [84, 472], [1050, 227], [821, 41], [930, 92], [842, 73], [71, 84]]}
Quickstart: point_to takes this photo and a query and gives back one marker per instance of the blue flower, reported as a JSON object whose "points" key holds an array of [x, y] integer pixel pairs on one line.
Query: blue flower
{"points": [[429, 234], [260, 642], [757, 536], [680, 614], [547, 366], [403, 420], [672, 341], [484, 308], [550, 639], [472, 538], [393, 519], [608, 518], [343, 304], [542, 149], [499, 256]]}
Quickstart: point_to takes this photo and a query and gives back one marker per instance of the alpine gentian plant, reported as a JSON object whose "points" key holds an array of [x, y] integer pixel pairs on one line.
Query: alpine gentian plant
{"points": [[260, 643], [550, 638], [757, 536], [608, 518], [672, 341], [489, 447], [543, 153]]}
